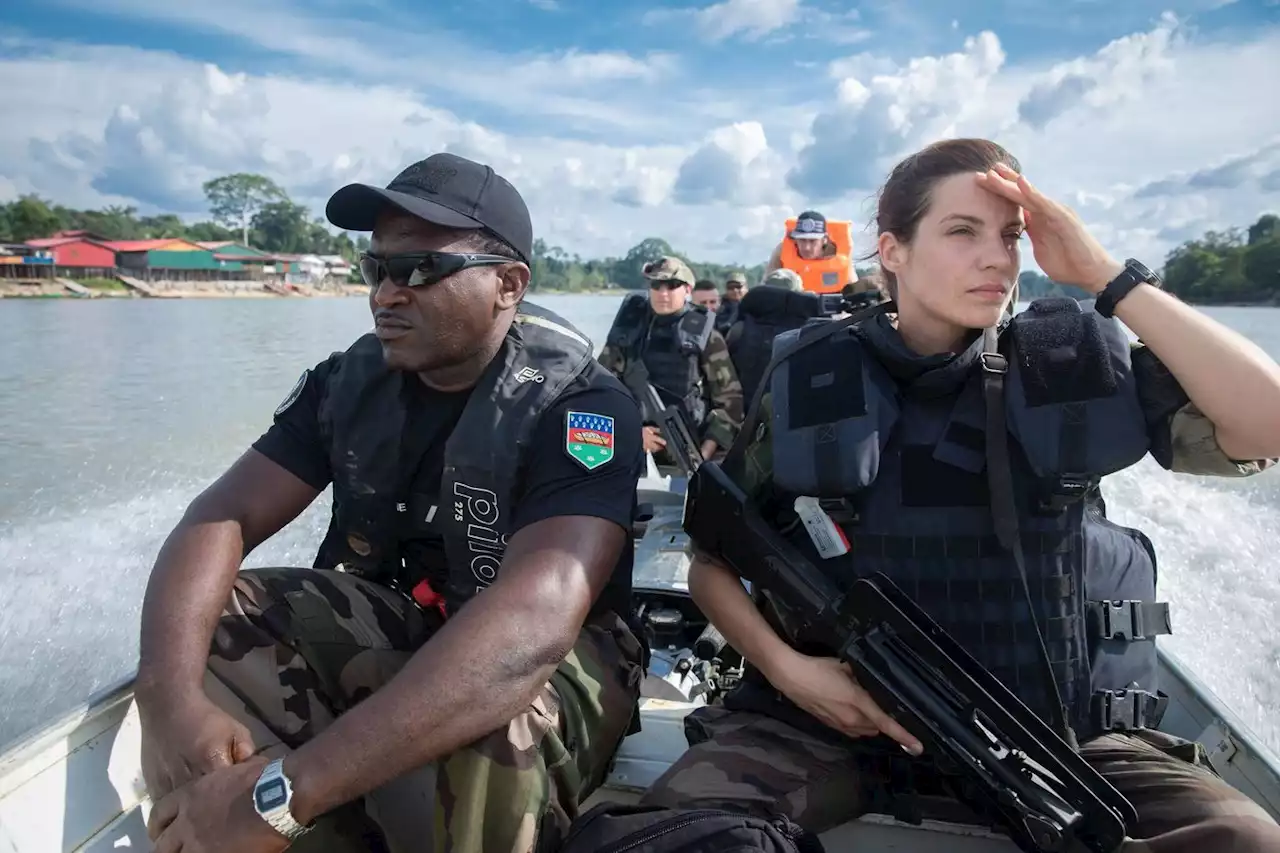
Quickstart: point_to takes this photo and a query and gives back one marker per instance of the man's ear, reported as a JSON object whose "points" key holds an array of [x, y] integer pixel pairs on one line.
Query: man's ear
{"points": [[513, 281]]}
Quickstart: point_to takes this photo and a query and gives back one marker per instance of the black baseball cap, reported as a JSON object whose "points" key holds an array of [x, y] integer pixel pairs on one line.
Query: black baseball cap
{"points": [[445, 190], [811, 223]]}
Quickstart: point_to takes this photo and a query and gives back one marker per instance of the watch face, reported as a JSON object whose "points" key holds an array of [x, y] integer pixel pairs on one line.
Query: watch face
{"points": [[270, 795], [1143, 273]]}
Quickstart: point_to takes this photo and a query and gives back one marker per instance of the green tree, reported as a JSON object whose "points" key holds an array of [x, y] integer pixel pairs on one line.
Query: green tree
{"points": [[283, 226], [30, 218], [234, 200]]}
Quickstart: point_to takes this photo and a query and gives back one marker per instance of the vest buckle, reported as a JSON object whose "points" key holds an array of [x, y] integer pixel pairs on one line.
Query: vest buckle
{"points": [[994, 362], [1128, 710], [1129, 619], [1065, 491]]}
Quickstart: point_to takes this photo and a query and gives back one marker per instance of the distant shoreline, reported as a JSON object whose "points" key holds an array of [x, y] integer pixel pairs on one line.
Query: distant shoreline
{"points": [[48, 290]]}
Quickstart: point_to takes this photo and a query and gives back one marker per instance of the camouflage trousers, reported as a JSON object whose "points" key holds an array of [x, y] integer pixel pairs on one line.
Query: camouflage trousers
{"points": [[760, 764], [296, 648]]}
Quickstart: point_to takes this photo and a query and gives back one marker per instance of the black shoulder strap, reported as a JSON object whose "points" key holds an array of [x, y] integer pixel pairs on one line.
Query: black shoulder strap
{"points": [[734, 457], [1004, 507]]}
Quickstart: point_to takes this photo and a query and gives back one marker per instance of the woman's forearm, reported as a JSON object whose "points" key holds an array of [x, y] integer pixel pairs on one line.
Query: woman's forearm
{"points": [[720, 595], [1229, 378]]}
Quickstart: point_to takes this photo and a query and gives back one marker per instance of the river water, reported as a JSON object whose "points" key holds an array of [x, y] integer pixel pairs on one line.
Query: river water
{"points": [[115, 413]]}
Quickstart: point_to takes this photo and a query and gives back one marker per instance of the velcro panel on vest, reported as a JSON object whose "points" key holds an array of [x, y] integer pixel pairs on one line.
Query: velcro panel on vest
{"points": [[1071, 397], [963, 444], [833, 410], [630, 321], [694, 330]]}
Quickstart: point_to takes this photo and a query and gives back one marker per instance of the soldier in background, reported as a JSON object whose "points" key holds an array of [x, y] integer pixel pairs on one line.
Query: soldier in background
{"points": [[685, 358]]}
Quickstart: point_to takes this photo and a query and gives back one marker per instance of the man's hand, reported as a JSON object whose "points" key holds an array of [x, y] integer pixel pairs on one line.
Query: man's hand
{"points": [[215, 813], [183, 739], [826, 688], [709, 448], [653, 440]]}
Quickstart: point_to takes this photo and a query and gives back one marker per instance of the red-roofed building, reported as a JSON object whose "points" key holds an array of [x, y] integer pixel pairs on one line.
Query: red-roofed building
{"points": [[78, 253]]}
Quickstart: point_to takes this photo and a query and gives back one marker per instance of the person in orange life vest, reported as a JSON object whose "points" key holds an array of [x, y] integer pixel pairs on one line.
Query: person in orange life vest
{"points": [[812, 243]]}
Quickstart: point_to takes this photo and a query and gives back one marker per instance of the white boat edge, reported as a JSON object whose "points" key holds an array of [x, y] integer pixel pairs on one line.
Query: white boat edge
{"points": [[76, 784]]}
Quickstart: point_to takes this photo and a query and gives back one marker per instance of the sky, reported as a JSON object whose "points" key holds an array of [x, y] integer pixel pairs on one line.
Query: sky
{"points": [[705, 124]]}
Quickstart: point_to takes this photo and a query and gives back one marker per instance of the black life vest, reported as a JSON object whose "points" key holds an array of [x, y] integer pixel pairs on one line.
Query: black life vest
{"points": [[362, 417], [765, 313], [727, 314], [892, 446], [671, 348]]}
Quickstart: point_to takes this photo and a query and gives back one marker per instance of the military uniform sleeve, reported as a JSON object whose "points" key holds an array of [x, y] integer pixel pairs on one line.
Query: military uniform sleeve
{"points": [[293, 441], [725, 390], [586, 459], [1182, 438]]}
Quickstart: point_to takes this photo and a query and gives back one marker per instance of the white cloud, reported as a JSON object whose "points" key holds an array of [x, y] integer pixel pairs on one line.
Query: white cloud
{"points": [[890, 113], [735, 165], [1152, 138], [1118, 73], [750, 19]]}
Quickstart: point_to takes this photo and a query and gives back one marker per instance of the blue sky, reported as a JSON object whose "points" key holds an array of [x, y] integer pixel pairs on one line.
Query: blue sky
{"points": [[705, 123]]}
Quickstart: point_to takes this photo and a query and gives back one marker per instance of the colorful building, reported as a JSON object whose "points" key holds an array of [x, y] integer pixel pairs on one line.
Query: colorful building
{"points": [[77, 254]]}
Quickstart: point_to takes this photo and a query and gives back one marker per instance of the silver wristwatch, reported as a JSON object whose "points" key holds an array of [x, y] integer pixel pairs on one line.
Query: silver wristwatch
{"points": [[271, 797]]}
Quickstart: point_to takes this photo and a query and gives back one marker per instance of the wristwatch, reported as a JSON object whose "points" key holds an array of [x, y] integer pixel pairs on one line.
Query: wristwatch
{"points": [[1134, 274], [271, 797]]}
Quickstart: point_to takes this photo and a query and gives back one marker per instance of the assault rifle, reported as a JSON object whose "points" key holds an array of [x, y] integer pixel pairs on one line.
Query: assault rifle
{"points": [[994, 754], [682, 446], [838, 303]]}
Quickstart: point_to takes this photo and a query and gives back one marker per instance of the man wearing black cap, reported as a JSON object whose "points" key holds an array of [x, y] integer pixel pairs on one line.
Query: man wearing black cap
{"points": [[808, 250], [467, 605]]}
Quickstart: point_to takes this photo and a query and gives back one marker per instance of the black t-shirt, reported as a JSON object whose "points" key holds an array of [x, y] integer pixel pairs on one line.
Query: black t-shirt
{"points": [[554, 484]]}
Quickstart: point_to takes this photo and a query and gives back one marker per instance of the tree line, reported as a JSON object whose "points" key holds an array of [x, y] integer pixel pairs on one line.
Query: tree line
{"points": [[248, 209], [1239, 265]]}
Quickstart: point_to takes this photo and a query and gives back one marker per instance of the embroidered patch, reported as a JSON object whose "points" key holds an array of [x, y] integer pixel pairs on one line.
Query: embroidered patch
{"points": [[294, 394], [588, 439]]}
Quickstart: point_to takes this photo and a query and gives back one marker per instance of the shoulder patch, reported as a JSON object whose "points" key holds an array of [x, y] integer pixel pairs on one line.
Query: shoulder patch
{"points": [[294, 394], [588, 438]]}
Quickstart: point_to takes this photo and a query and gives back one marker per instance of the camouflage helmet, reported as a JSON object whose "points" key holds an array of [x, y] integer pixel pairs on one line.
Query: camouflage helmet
{"points": [[668, 268], [786, 279], [736, 278]]}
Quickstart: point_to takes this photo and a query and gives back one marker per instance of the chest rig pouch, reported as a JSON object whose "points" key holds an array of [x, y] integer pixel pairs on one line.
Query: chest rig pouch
{"points": [[1073, 404]]}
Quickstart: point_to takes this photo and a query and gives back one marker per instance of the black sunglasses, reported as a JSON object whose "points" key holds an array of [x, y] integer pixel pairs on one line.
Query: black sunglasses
{"points": [[666, 284], [419, 269]]}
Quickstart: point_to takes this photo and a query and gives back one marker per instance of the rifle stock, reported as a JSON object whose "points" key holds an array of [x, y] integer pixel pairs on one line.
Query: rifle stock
{"points": [[1017, 771], [682, 446]]}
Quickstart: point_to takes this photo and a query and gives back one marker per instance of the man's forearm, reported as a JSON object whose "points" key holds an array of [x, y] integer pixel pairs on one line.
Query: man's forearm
{"points": [[187, 592], [485, 666]]}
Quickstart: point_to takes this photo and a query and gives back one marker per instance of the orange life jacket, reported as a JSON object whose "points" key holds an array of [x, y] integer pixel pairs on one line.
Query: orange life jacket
{"points": [[824, 275]]}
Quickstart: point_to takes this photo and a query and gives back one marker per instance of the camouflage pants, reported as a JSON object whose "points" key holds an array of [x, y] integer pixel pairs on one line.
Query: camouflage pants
{"points": [[295, 648], [761, 764]]}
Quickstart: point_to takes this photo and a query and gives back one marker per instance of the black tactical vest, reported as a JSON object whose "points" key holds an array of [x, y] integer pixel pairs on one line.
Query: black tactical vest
{"points": [[727, 314], [893, 446], [362, 418], [670, 346], [765, 313]]}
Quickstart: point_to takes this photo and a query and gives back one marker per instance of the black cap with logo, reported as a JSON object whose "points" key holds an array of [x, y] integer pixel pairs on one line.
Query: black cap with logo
{"points": [[810, 224], [446, 190]]}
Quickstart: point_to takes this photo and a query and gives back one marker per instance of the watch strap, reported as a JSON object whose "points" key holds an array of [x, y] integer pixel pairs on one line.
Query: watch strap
{"points": [[279, 817], [1133, 274]]}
